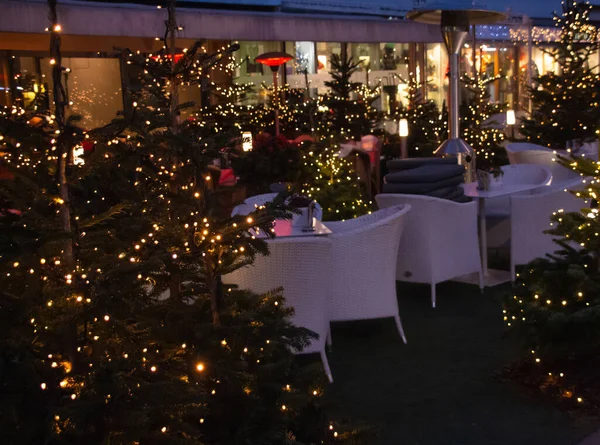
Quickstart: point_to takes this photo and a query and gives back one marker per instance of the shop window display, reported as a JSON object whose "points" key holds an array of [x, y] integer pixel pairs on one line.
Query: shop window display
{"points": [[93, 87], [436, 70]]}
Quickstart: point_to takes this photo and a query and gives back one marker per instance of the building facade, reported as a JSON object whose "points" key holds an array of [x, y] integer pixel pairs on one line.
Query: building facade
{"points": [[390, 48]]}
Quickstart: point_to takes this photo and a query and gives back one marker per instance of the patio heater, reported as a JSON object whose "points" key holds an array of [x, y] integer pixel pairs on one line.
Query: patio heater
{"points": [[274, 60], [455, 21]]}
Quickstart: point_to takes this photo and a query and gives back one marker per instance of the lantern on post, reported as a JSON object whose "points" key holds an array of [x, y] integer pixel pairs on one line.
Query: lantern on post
{"points": [[274, 60], [454, 20], [511, 120], [247, 141], [403, 133]]}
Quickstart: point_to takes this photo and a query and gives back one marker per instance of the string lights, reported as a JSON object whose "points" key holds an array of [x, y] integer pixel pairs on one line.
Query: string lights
{"points": [[122, 325]]}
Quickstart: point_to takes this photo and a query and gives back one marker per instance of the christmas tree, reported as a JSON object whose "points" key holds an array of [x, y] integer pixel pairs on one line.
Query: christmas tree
{"points": [[333, 182], [425, 126], [477, 130], [116, 326], [565, 104], [350, 114], [555, 305]]}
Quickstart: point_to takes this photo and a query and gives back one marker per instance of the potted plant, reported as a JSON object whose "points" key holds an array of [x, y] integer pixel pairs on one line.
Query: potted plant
{"points": [[301, 204], [273, 159], [489, 178]]}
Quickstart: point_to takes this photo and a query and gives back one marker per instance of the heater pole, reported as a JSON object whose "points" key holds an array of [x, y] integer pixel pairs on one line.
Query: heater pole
{"points": [[276, 98]]}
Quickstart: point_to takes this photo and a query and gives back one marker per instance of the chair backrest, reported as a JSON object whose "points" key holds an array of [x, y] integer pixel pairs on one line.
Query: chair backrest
{"points": [[242, 209], [530, 217], [516, 147], [526, 174], [547, 158], [258, 200], [365, 255], [249, 205], [434, 229]]}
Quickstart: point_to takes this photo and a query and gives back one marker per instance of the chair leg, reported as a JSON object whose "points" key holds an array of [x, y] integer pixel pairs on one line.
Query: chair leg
{"points": [[326, 366], [433, 295], [481, 282], [400, 328]]}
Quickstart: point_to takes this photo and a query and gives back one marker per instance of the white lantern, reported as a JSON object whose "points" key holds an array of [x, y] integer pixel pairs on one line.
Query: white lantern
{"points": [[78, 152], [247, 141], [510, 117], [403, 128]]}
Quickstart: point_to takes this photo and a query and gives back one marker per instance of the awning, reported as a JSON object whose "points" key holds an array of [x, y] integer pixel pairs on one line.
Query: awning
{"points": [[84, 18]]}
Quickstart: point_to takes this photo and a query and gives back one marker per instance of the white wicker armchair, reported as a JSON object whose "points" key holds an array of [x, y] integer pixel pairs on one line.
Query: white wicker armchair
{"points": [[497, 210], [250, 204], [439, 241], [517, 174], [301, 265], [258, 200], [513, 150], [530, 217], [546, 158], [363, 274]]}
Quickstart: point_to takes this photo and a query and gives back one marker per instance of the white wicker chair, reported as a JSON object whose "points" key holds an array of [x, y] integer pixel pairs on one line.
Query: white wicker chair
{"points": [[301, 265], [250, 203], [514, 149], [546, 158], [439, 241], [258, 200], [363, 276], [517, 174], [497, 210], [530, 216]]}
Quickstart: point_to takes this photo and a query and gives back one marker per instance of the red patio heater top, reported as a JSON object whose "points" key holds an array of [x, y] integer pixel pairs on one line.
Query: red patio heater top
{"points": [[273, 59]]}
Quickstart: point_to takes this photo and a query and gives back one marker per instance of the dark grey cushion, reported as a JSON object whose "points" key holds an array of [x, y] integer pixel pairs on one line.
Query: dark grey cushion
{"points": [[462, 198], [407, 164], [425, 173], [443, 192], [456, 193], [422, 188]]}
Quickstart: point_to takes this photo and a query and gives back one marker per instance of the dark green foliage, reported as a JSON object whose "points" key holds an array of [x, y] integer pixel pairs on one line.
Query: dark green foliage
{"points": [[565, 105], [350, 114], [425, 125], [332, 181], [555, 304], [477, 131], [272, 159], [105, 345]]}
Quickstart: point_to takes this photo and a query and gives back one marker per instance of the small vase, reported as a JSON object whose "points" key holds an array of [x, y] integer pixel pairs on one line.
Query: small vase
{"points": [[495, 182], [483, 180], [299, 220]]}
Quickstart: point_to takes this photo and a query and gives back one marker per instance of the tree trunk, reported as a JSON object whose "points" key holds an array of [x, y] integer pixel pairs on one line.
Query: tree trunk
{"points": [[60, 102], [172, 29], [214, 283]]}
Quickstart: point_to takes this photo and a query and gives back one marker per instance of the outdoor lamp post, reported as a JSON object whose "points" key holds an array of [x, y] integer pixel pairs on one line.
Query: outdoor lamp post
{"points": [[511, 120], [274, 60], [455, 20], [403, 133], [247, 141]]}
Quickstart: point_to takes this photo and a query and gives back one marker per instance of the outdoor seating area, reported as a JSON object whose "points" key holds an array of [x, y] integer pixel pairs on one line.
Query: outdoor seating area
{"points": [[335, 223], [414, 237]]}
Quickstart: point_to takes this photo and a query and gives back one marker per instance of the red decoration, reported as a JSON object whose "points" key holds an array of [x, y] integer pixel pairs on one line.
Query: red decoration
{"points": [[273, 58], [178, 57]]}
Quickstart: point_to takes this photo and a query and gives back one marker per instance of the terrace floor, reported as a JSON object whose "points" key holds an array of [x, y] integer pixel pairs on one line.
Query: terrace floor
{"points": [[443, 386]]}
